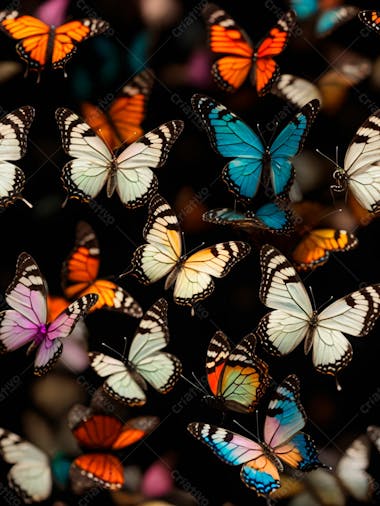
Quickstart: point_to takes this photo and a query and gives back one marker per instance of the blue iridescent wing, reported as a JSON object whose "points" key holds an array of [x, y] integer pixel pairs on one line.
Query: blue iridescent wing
{"points": [[331, 19], [304, 8], [288, 144], [232, 138], [300, 453], [275, 218]]}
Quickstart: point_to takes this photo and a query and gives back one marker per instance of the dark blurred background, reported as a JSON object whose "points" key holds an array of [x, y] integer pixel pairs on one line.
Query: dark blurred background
{"points": [[154, 34]]}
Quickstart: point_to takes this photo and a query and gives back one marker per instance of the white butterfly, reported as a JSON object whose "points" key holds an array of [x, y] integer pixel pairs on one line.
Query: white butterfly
{"points": [[191, 275], [30, 475], [95, 165], [295, 320], [14, 128], [146, 363], [361, 170]]}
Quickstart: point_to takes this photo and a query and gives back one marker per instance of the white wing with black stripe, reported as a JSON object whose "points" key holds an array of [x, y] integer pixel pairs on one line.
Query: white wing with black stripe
{"points": [[294, 320], [30, 475], [14, 129], [296, 90], [95, 165]]}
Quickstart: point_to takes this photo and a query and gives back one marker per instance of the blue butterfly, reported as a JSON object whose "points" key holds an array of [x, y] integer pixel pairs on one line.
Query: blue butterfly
{"points": [[270, 217], [327, 20], [253, 163], [283, 442]]}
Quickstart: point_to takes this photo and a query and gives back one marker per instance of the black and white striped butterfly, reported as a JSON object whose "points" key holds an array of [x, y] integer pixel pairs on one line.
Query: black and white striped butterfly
{"points": [[191, 275], [129, 171], [361, 170], [14, 128], [294, 319], [146, 363], [30, 475]]}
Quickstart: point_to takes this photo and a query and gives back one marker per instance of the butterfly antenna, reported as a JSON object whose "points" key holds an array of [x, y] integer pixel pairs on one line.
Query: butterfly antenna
{"points": [[194, 385], [257, 424], [26, 202], [327, 157], [196, 247], [247, 431], [183, 243], [198, 381], [273, 133], [123, 274], [312, 297], [113, 350], [125, 345], [336, 155], [325, 303], [260, 133]]}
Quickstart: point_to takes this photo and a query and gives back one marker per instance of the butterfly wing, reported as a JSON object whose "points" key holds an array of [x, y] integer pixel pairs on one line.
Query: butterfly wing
{"points": [[232, 138], [80, 271], [134, 430], [217, 353], [304, 8], [296, 90], [371, 19], [104, 469], [135, 180], [226, 37], [152, 261], [265, 71], [355, 314], [84, 177], [257, 471], [281, 289], [30, 475], [361, 163], [373, 432], [122, 121], [14, 129], [331, 19], [288, 144], [314, 249], [195, 282]]}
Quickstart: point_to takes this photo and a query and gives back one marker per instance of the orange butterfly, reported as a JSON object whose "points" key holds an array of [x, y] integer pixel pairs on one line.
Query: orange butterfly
{"points": [[80, 271], [226, 37], [103, 434], [121, 122], [42, 45]]}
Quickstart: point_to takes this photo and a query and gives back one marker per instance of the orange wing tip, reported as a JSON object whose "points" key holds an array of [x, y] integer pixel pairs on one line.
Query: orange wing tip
{"points": [[87, 469]]}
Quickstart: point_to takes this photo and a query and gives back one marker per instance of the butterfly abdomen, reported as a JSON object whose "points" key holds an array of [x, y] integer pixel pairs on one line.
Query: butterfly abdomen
{"points": [[111, 181]]}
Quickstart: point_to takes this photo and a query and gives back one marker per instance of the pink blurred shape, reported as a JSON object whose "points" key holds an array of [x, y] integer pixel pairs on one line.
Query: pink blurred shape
{"points": [[198, 68], [53, 12], [157, 480]]}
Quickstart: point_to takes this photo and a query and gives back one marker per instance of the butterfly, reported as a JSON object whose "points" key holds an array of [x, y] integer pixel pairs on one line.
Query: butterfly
{"points": [[253, 163], [14, 129], [146, 363], [121, 121], [328, 18], [101, 435], [294, 319], [192, 275], [30, 475], [361, 171], [237, 377], [94, 165], [270, 217], [27, 321], [42, 46], [314, 248], [283, 442], [241, 58], [371, 19], [80, 276]]}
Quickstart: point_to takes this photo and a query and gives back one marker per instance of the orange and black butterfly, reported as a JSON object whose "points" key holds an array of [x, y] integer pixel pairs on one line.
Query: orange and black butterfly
{"points": [[121, 121], [371, 19], [241, 57], [42, 46], [101, 435], [80, 276]]}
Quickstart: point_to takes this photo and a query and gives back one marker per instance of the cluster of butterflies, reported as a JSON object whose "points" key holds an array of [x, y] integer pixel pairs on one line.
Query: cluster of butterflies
{"points": [[109, 150]]}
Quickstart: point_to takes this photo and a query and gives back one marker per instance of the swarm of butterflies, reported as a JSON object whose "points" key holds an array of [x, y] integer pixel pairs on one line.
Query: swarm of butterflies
{"points": [[109, 152]]}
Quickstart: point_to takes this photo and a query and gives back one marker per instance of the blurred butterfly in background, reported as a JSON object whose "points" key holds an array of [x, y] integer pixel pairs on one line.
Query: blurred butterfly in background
{"points": [[14, 129], [283, 442], [146, 363], [80, 276], [43, 46], [129, 172], [253, 163], [294, 319], [272, 217], [360, 173], [27, 321], [329, 16], [101, 435], [241, 58], [30, 475], [192, 275], [237, 377], [121, 121]]}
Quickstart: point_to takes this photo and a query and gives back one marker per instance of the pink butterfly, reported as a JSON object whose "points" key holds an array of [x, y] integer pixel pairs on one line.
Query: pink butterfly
{"points": [[27, 321]]}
